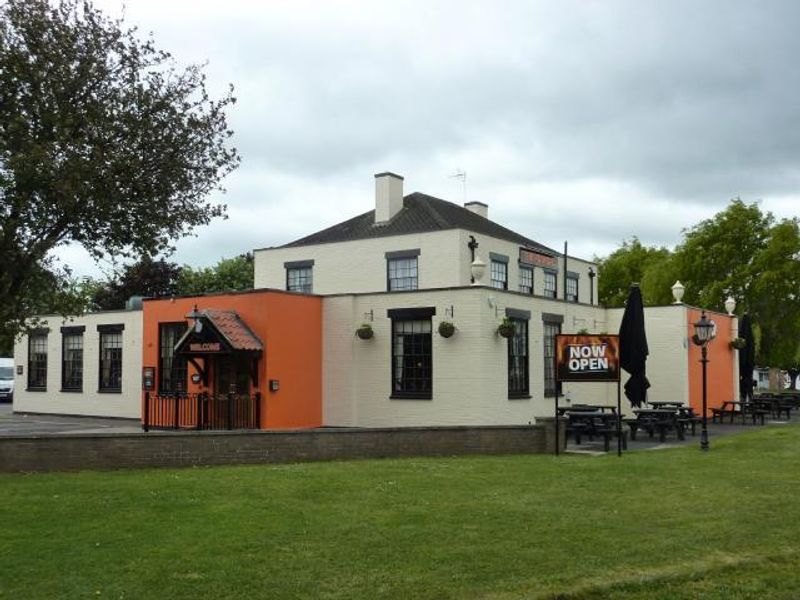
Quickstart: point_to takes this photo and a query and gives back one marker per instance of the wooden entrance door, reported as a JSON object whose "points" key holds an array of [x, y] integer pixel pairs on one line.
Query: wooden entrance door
{"points": [[231, 370]]}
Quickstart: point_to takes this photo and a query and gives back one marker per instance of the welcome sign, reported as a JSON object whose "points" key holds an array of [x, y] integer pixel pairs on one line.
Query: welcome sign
{"points": [[587, 358]]}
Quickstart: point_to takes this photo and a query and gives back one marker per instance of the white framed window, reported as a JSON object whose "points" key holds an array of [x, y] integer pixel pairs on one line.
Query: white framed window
{"points": [[300, 276], [550, 285], [526, 280], [402, 270], [498, 270], [572, 287]]}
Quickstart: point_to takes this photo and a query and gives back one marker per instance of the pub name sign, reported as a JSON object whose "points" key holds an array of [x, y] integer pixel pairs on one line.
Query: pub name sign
{"points": [[587, 358], [531, 257]]}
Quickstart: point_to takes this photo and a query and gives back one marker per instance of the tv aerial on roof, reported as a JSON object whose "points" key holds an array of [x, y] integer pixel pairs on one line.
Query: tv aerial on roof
{"points": [[461, 175]]}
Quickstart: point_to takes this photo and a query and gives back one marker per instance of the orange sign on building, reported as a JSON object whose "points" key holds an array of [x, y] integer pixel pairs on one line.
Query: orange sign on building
{"points": [[587, 358]]}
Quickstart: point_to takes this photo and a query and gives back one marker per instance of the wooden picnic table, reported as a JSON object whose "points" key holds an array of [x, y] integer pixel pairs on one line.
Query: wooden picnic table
{"points": [[656, 419], [592, 423], [665, 403]]}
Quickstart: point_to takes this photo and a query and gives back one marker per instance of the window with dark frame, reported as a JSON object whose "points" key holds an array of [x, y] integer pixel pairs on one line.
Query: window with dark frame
{"points": [[526, 280], [572, 288], [550, 285], [37, 361], [551, 330], [72, 361], [173, 369], [110, 361], [300, 279], [499, 272], [402, 273], [412, 356], [518, 375]]}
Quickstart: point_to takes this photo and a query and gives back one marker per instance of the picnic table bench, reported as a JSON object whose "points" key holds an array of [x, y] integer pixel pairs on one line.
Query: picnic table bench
{"points": [[652, 420], [753, 409], [592, 423]]}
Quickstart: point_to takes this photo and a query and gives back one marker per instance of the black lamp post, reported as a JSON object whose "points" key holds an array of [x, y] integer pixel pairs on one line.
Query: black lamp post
{"points": [[704, 332]]}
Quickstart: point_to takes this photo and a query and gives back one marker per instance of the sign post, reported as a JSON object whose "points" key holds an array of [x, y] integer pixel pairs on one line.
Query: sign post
{"points": [[588, 358]]}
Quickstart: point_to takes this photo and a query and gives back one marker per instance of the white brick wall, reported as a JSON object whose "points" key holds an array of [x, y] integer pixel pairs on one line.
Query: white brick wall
{"points": [[470, 376], [360, 266], [667, 340], [89, 401]]}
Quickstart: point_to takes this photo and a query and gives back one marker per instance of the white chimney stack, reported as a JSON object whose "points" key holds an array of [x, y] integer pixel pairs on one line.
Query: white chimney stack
{"points": [[388, 196], [479, 208]]}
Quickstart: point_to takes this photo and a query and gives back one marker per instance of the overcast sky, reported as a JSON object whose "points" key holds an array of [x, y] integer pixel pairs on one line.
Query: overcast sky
{"points": [[583, 121]]}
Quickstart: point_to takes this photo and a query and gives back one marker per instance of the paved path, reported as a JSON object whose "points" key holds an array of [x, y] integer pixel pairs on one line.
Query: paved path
{"points": [[643, 442], [13, 424]]}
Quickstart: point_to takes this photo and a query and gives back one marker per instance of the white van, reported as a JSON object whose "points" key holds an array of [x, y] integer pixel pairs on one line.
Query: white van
{"points": [[6, 379]]}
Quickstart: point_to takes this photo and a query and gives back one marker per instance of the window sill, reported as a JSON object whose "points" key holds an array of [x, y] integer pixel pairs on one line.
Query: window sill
{"points": [[110, 391], [519, 396], [36, 389], [71, 390], [401, 396]]}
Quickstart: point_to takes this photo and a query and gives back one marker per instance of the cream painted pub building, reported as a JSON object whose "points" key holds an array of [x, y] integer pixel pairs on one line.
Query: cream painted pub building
{"points": [[415, 261], [403, 268]]}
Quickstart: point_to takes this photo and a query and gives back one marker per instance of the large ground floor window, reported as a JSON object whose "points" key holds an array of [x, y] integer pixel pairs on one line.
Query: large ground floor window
{"points": [[552, 327], [173, 369], [518, 375], [412, 357]]}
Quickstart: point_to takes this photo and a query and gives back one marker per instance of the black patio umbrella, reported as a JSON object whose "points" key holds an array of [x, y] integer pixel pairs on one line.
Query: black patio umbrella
{"points": [[747, 357], [633, 349]]}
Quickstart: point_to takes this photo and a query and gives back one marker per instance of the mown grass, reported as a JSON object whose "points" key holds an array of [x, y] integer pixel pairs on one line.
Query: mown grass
{"points": [[667, 524]]}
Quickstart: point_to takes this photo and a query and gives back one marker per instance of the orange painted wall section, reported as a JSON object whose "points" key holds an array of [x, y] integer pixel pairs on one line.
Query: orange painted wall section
{"points": [[720, 368], [290, 327]]}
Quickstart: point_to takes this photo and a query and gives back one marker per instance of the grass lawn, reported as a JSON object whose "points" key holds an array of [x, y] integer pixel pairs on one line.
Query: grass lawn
{"points": [[667, 524]]}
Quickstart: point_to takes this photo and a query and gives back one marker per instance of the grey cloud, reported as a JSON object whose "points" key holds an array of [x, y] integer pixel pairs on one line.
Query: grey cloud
{"points": [[683, 102]]}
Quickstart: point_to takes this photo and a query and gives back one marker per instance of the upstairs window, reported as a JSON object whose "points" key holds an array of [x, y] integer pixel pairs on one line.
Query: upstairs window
{"points": [[299, 276], [37, 361], [402, 271], [550, 286], [526, 280], [572, 287], [72, 359], [499, 271]]}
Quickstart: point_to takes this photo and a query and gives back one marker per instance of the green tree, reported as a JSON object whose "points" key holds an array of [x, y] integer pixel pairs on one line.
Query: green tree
{"points": [[718, 256], [227, 275], [740, 251], [104, 143], [773, 296], [626, 265], [50, 290], [149, 278]]}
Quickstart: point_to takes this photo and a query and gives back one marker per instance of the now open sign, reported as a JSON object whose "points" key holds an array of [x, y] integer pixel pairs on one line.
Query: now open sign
{"points": [[587, 357]]}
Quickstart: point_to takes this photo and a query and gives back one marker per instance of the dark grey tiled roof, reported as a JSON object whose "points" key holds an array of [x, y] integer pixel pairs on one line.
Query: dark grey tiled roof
{"points": [[420, 214]]}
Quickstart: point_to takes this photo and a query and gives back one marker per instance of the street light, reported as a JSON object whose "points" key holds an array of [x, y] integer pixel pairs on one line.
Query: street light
{"points": [[704, 331]]}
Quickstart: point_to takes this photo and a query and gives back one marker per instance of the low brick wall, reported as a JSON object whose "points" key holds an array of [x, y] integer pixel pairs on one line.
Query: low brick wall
{"points": [[179, 449]]}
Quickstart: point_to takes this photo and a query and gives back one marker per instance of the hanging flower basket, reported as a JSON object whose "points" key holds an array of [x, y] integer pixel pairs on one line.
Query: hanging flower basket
{"points": [[738, 343], [365, 331], [446, 329], [506, 328]]}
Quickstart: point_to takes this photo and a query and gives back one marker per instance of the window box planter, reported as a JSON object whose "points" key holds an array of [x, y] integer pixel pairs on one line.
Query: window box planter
{"points": [[365, 331], [446, 329]]}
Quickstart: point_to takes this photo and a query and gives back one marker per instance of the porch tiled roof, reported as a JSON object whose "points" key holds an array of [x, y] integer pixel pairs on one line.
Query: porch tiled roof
{"points": [[234, 329]]}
